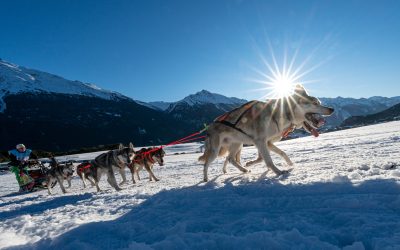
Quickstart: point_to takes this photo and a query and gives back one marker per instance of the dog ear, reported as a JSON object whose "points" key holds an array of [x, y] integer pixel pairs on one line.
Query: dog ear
{"points": [[120, 147], [130, 145], [300, 91]]}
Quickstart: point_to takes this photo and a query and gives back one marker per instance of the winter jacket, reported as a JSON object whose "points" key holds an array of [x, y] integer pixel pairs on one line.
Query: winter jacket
{"points": [[18, 167], [16, 157]]}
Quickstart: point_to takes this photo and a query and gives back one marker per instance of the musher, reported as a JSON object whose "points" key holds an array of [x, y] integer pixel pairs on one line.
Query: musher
{"points": [[19, 166]]}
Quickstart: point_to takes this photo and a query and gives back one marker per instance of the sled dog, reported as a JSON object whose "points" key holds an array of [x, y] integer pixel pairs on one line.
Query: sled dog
{"points": [[58, 173], [261, 124], [106, 162], [146, 158]]}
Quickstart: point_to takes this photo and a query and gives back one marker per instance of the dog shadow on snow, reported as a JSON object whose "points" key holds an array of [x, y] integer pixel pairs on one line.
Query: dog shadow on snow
{"points": [[264, 214], [38, 208]]}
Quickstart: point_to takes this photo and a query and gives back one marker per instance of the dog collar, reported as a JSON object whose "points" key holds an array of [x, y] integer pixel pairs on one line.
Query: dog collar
{"points": [[289, 130]]}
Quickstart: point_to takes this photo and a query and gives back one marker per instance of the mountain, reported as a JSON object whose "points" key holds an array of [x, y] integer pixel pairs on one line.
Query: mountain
{"points": [[16, 80], [347, 107], [49, 112], [205, 106], [390, 114], [202, 107], [160, 105]]}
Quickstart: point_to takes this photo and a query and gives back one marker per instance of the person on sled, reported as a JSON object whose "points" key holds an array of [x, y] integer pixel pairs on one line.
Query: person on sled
{"points": [[19, 166]]}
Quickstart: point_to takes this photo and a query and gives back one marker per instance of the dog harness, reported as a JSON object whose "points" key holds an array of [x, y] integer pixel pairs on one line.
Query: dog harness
{"points": [[222, 119], [87, 165], [248, 106]]}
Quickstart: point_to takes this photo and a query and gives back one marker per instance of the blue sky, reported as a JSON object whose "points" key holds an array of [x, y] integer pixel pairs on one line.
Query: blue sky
{"points": [[164, 50]]}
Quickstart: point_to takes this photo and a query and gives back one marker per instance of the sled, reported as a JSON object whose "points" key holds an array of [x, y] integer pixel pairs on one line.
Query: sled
{"points": [[36, 177]]}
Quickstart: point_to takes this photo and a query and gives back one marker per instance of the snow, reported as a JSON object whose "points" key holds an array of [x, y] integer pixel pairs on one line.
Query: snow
{"points": [[15, 79], [343, 193]]}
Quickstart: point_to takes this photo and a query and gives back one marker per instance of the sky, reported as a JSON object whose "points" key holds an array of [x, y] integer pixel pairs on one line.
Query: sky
{"points": [[165, 50]]}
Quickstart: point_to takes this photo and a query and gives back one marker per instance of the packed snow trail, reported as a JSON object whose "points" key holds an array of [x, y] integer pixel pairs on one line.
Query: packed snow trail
{"points": [[343, 193]]}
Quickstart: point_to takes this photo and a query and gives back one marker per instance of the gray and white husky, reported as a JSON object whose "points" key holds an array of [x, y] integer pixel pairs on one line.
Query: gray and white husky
{"points": [[106, 162], [261, 124], [58, 173]]}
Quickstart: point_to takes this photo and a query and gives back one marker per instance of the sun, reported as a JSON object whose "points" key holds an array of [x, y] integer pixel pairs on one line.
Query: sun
{"points": [[283, 86], [280, 80]]}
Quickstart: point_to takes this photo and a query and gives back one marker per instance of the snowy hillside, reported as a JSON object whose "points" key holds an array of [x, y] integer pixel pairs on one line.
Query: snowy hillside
{"points": [[343, 193], [15, 79]]}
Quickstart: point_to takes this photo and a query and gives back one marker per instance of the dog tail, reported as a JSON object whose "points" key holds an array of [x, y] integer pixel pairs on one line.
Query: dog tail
{"points": [[222, 152], [203, 158]]}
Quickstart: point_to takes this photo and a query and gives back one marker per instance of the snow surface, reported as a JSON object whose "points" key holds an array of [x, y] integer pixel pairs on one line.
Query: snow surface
{"points": [[15, 79], [343, 193]]}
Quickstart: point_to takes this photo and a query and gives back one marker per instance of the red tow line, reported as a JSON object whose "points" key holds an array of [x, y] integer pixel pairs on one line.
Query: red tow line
{"points": [[189, 138]]}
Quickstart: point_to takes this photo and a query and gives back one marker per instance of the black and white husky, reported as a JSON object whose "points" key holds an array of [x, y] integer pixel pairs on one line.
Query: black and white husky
{"points": [[58, 173], [105, 163]]}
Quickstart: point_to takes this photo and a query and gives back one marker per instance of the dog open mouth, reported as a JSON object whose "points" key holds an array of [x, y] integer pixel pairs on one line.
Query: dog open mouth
{"points": [[313, 122]]}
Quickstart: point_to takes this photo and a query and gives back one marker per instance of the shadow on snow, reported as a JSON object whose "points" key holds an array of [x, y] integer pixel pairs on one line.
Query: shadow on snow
{"points": [[262, 215]]}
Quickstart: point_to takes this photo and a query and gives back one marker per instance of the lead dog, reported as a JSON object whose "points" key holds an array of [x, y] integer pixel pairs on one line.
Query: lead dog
{"points": [[261, 124]]}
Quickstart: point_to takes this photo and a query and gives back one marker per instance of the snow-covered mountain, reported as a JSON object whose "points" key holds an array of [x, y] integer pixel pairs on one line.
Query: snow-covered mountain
{"points": [[202, 107], [209, 105], [15, 79], [49, 112], [347, 107], [206, 97]]}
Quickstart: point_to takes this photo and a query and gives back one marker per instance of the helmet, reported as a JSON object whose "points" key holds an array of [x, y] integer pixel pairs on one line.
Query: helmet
{"points": [[21, 147]]}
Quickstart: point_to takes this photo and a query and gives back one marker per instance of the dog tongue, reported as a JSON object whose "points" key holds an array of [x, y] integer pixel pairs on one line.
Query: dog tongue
{"points": [[321, 122], [314, 132]]}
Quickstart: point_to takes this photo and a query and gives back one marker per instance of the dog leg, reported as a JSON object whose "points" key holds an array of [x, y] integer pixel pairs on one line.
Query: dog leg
{"points": [[49, 183], [137, 174], [92, 183], [212, 147], [111, 179], [275, 149], [69, 182], [148, 168], [132, 169], [97, 177], [123, 175], [82, 176], [258, 160], [264, 152], [234, 150], [225, 165], [61, 183]]}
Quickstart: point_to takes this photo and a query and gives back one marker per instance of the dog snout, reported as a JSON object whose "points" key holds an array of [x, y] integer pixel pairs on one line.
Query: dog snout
{"points": [[331, 110]]}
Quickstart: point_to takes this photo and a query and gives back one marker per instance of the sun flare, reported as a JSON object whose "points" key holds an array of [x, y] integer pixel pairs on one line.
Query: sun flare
{"points": [[283, 86], [279, 81]]}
